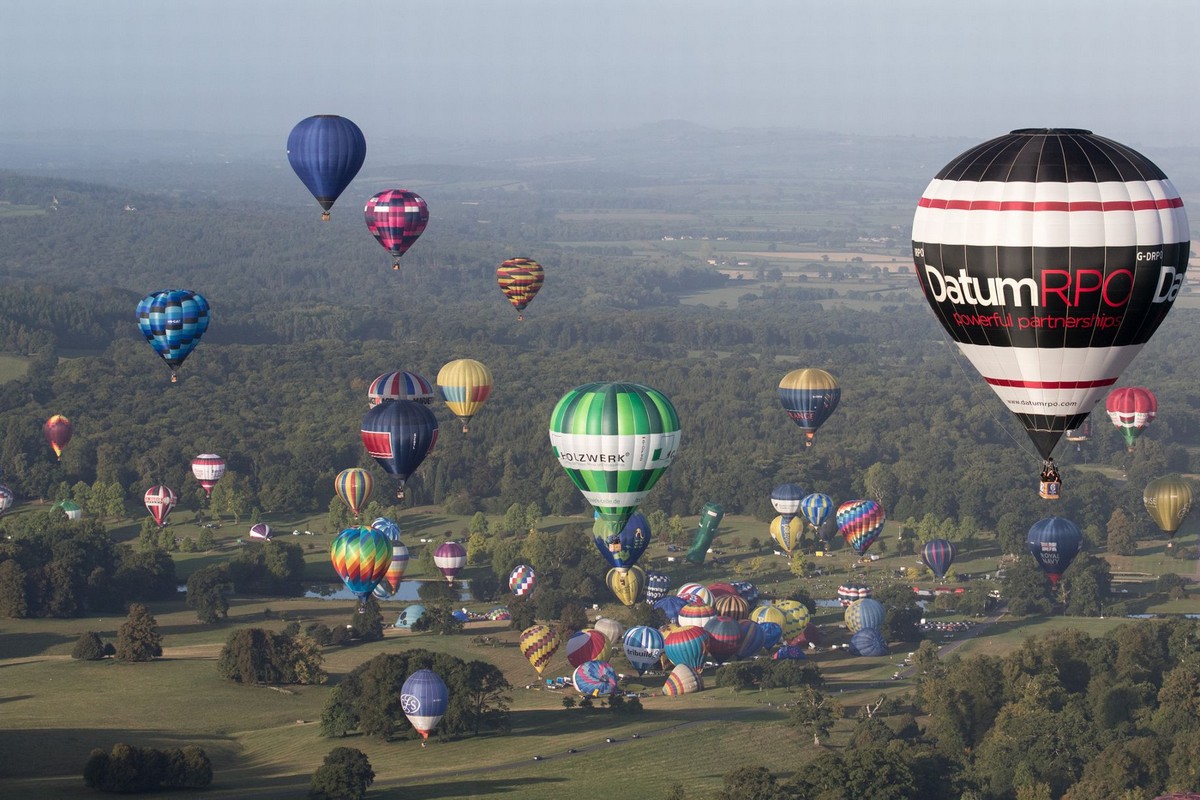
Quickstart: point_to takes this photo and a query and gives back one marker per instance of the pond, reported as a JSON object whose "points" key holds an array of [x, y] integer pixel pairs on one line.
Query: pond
{"points": [[407, 593]]}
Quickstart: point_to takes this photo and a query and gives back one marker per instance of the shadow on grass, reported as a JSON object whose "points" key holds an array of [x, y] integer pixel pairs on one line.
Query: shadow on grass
{"points": [[46, 752], [463, 788], [23, 645]]}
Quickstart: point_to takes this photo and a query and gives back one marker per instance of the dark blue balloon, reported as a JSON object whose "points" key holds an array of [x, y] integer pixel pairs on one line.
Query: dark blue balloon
{"points": [[785, 499], [868, 642], [326, 151], [657, 586], [1054, 542], [399, 435], [625, 548], [790, 652], [670, 606], [938, 555], [424, 699], [772, 633]]}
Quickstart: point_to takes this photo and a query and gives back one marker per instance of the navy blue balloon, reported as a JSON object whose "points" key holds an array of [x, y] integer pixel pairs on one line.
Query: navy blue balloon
{"points": [[625, 548], [938, 555], [657, 586], [790, 652], [868, 642], [326, 151], [785, 499], [398, 435], [1054, 543], [670, 606], [772, 633]]}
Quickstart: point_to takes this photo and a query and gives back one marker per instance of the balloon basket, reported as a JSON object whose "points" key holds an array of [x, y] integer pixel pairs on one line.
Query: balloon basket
{"points": [[324, 216], [174, 378], [1050, 490]]}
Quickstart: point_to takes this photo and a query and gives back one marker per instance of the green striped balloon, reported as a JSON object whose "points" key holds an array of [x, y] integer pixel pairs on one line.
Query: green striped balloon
{"points": [[615, 440]]}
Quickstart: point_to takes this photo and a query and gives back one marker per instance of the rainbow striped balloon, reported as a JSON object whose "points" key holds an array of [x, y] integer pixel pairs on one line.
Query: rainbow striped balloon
{"points": [[860, 522], [361, 556]]}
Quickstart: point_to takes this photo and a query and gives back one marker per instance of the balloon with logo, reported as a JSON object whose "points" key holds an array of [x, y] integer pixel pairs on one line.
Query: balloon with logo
{"points": [[1054, 542], [400, 385], [938, 555], [326, 152], [465, 384], [615, 440], [58, 430], [809, 396], [626, 584], [1168, 501], [520, 279], [398, 435], [450, 558], [622, 550], [159, 501], [173, 320], [658, 584], [786, 533], [538, 643], [396, 218], [595, 679], [424, 699], [785, 499], [522, 580], [1131, 410], [643, 647], [1050, 256], [208, 469], [354, 487], [360, 557], [860, 522]]}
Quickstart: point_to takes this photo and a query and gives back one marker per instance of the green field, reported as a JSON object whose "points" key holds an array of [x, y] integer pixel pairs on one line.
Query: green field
{"points": [[12, 367], [264, 742]]}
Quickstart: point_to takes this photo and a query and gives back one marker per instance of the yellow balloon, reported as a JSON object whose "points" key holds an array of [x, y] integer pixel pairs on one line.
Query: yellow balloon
{"points": [[1168, 501], [787, 535], [465, 385], [627, 584]]}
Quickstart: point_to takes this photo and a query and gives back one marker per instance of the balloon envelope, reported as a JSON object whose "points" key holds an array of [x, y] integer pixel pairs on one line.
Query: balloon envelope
{"points": [[868, 642], [938, 555], [159, 502], [595, 679], [326, 152], [57, 431], [657, 586], [354, 487], [450, 558], [754, 638], [398, 435], [860, 522], [670, 606], [626, 584], [522, 580], [865, 613], [710, 519], [686, 646], [785, 499], [173, 320], [208, 469], [260, 530], [683, 680], [586, 645], [396, 218], [465, 385], [622, 549], [520, 279], [424, 698], [809, 396], [643, 647], [538, 643], [1054, 542], [361, 557], [1050, 256], [615, 440], [816, 508], [1168, 501], [6, 498], [786, 533], [400, 386], [724, 637], [1131, 409]]}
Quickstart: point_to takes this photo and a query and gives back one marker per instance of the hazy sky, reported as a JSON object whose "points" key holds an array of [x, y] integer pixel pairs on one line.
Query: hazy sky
{"points": [[513, 68]]}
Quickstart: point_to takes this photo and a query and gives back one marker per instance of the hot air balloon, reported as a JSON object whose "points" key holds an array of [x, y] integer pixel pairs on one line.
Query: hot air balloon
{"points": [[208, 469], [796, 616], [696, 614], [538, 643], [754, 638], [860, 522], [399, 565], [400, 386], [396, 218], [398, 435], [7, 498], [643, 647], [850, 591], [786, 534], [622, 550], [1168, 501], [586, 645], [868, 642], [865, 613], [790, 652], [1050, 256], [683, 680], [686, 646], [1131, 409], [424, 698], [710, 519], [615, 440], [772, 632], [354, 487], [809, 396], [173, 320], [72, 510], [695, 593], [522, 580], [58, 431], [260, 531], [326, 151], [670, 606], [361, 557], [627, 584], [465, 385], [785, 499], [450, 558], [1080, 433], [816, 508], [938, 555], [724, 637], [612, 629], [658, 584], [719, 588], [520, 279], [748, 592], [732, 605], [409, 615], [1054, 542], [595, 679], [159, 502]]}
